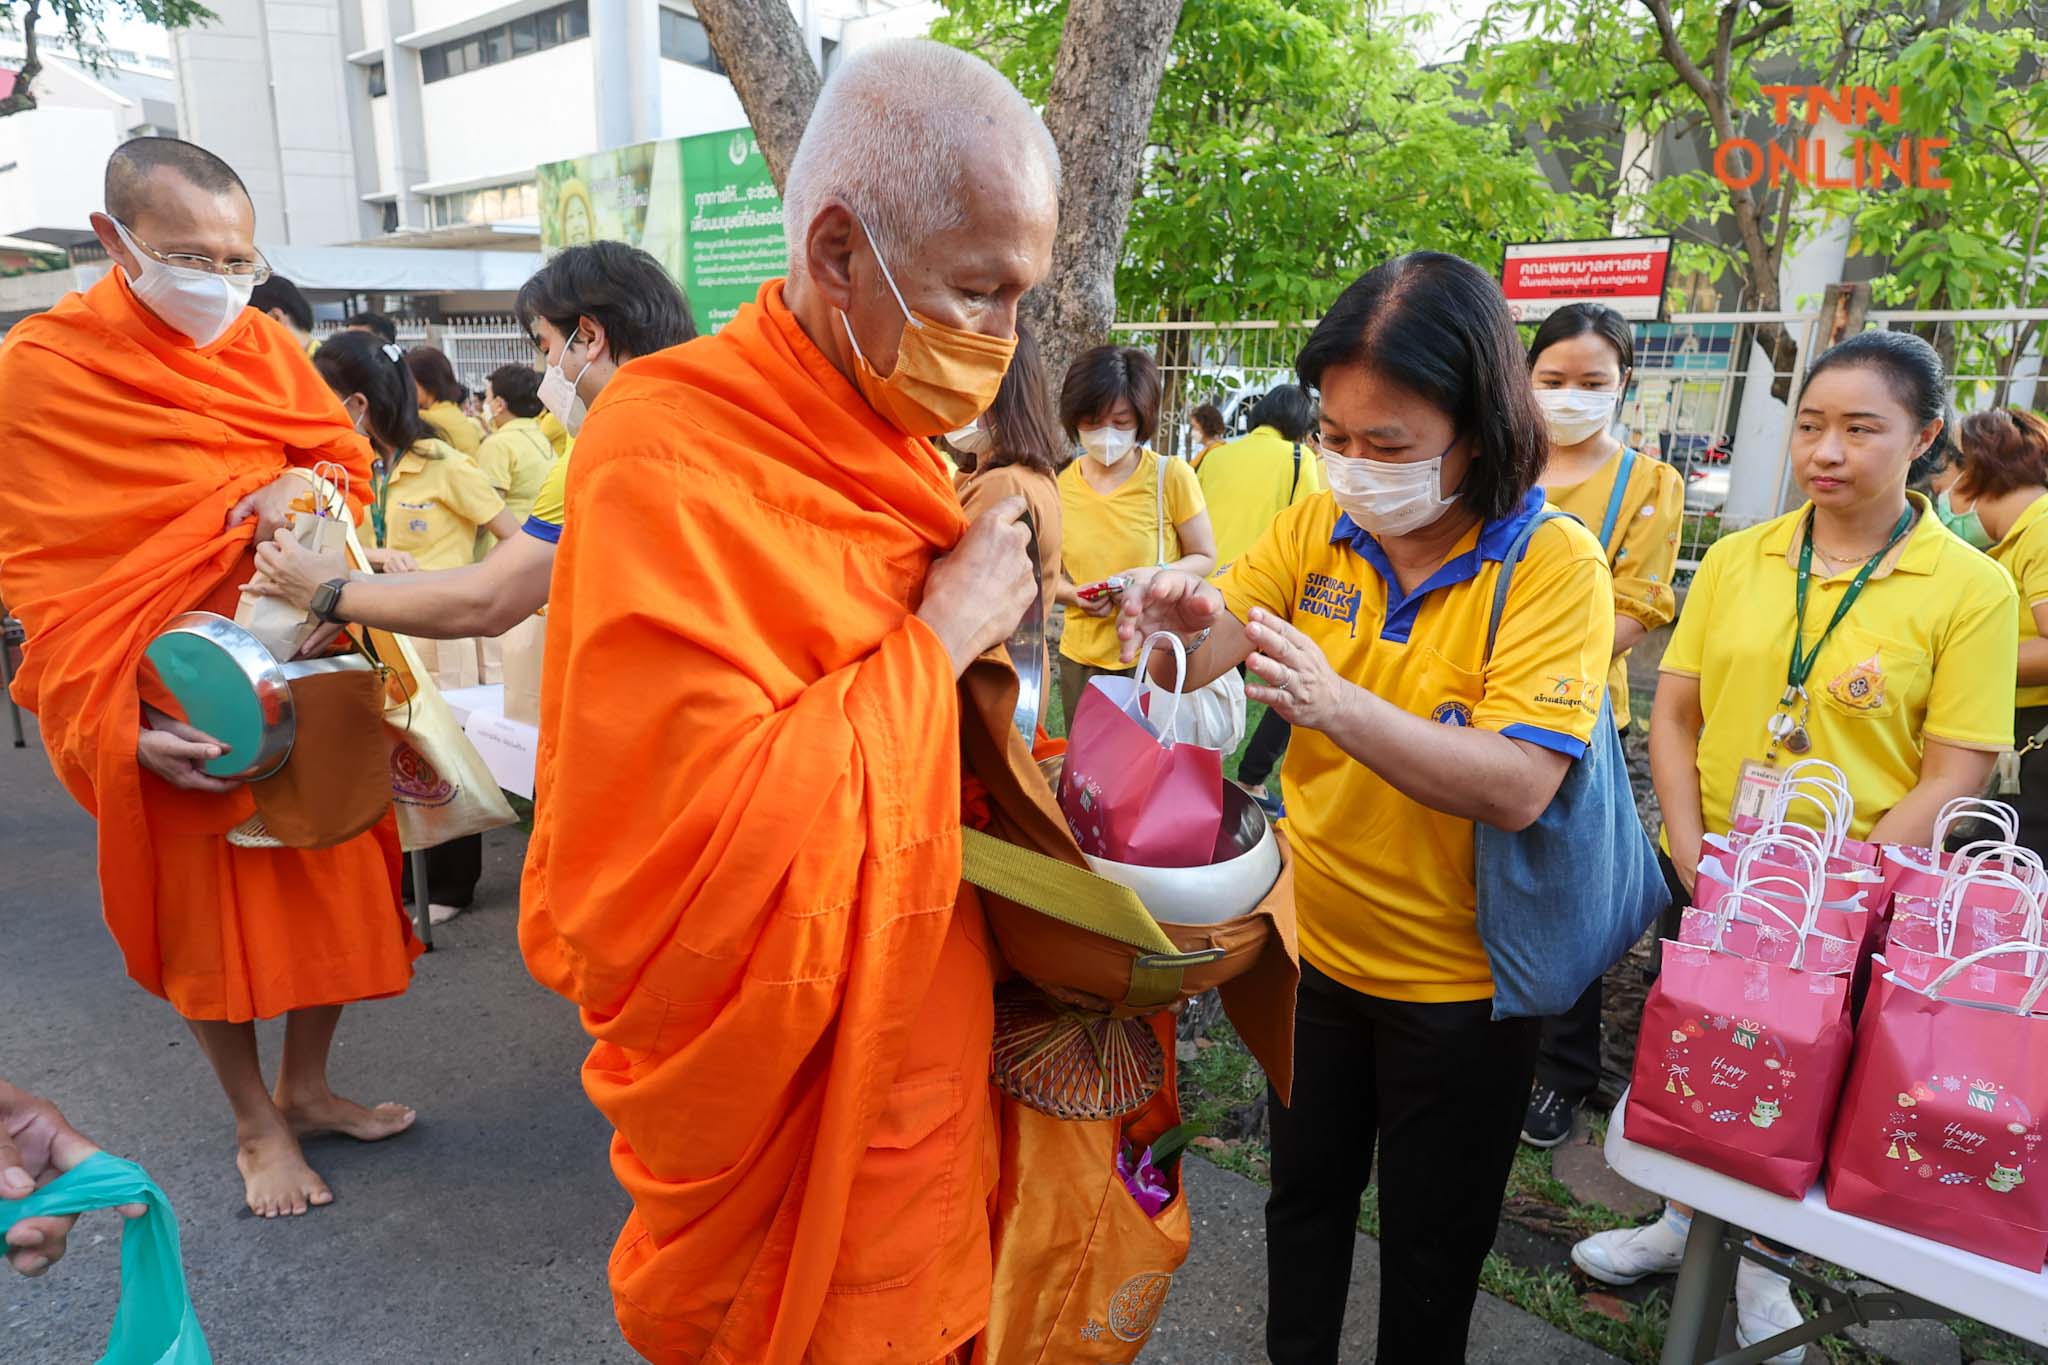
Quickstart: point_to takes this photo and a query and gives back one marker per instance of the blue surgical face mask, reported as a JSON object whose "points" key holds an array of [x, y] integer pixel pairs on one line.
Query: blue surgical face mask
{"points": [[1964, 524]]}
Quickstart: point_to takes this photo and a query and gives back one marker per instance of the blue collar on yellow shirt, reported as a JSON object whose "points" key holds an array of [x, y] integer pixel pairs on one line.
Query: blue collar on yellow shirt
{"points": [[1496, 538]]}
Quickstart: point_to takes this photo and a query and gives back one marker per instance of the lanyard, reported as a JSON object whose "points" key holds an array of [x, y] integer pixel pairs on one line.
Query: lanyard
{"points": [[1802, 664], [380, 492]]}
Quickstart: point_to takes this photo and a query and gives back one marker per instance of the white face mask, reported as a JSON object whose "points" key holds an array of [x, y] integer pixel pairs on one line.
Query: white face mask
{"points": [[558, 393], [1107, 446], [1575, 414], [1388, 499], [198, 303], [972, 439]]}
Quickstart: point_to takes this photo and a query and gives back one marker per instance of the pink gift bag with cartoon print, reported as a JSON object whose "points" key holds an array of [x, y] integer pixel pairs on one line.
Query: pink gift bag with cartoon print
{"points": [[1939, 1132], [1130, 794], [1740, 1060]]}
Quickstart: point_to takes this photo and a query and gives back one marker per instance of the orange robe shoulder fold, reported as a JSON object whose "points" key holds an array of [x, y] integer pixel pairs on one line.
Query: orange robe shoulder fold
{"points": [[125, 448], [746, 866]]}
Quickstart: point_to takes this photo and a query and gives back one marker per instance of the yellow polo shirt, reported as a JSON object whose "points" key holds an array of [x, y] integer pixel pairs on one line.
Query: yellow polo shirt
{"points": [[450, 423], [1928, 651], [557, 434], [1642, 551], [1384, 886], [516, 459], [544, 522], [1247, 481], [1103, 534], [2024, 553], [436, 500]]}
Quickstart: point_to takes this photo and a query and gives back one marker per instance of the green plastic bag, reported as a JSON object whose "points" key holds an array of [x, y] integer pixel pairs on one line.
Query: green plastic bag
{"points": [[154, 1323]]}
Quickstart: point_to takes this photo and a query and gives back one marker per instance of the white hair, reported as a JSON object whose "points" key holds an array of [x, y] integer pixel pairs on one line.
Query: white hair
{"points": [[888, 136]]}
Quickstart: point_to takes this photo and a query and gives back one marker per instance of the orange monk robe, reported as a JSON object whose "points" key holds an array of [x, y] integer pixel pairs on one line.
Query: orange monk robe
{"points": [[746, 863], [125, 448]]}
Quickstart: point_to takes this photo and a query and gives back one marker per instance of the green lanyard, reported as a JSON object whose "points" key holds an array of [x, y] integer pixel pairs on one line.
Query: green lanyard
{"points": [[1801, 666], [380, 491]]}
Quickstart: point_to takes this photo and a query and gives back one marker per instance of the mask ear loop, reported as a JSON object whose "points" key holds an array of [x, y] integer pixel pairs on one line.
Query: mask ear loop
{"points": [[888, 277]]}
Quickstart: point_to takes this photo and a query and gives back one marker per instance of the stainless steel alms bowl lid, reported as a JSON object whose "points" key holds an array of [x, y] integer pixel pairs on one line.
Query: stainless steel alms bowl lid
{"points": [[231, 688]]}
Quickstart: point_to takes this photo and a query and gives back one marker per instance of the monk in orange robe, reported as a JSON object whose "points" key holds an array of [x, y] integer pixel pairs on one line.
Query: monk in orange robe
{"points": [[746, 863], [148, 426]]}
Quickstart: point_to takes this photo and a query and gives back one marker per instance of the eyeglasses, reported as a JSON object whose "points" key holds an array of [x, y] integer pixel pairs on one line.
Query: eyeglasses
{"points": [[256, 271]]}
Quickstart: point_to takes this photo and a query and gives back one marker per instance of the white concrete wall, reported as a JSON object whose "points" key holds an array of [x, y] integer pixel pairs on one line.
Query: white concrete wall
{"points": [[381, 116], [514, 115], [310, 92], [59, 154], [371, 19], [224, 102], [694, 100]]}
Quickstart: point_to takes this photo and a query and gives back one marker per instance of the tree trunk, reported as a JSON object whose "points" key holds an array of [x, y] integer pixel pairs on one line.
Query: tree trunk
{"points": [[23, 97], [764, 53], [1112, 55]]}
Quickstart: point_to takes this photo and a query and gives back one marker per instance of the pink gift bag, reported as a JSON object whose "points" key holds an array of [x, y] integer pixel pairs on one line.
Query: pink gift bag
{"points": [[1130, 795]]}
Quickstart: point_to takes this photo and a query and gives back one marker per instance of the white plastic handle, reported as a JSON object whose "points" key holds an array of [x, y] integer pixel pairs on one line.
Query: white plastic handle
{"points": [[1948, 910], [2027, 1001], [1829, 797], [1972, 857], [1727, 913], [1962, 807], [1140, 676], [1767, 841]]}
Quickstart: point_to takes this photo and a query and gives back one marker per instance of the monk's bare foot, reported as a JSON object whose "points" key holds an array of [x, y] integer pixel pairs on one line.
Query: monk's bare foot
{"points": [[330, 1113], [279, 1183]]}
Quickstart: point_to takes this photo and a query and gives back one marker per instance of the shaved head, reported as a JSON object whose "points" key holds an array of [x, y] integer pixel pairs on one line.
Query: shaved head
{"points": [[130, 168], [893, 136]]}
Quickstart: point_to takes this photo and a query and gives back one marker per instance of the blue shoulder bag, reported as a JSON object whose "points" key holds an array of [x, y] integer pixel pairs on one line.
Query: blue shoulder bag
{"points": [[1561, 901]]}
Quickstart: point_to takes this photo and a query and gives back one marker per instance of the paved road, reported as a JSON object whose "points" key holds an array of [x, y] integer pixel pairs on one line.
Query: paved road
{"points": [[479, 1236]]}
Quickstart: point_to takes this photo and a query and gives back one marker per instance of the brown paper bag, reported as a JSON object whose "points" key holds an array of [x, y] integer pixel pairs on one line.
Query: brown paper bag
{"points": [[281, 626], [524, 647]]}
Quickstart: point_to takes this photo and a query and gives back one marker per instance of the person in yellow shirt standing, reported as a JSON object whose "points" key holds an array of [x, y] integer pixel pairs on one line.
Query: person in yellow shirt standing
{"points": [[2002, 477], [1854, 629], [1580, 361], [517, 455], [1205, 432], [440, 396], [1123, 506], [1367, 611]]}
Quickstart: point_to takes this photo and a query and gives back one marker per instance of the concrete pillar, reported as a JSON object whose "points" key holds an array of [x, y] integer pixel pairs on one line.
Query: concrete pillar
{"points": [[625, 54], [408, 121]]}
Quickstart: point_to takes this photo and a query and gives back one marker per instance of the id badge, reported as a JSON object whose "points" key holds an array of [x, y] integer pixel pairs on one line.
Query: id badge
{"points": [[1755, 785]]}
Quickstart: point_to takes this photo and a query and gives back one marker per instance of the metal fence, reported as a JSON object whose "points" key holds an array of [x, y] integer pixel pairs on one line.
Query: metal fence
{"points": [[1688, 403], [474, 346]]}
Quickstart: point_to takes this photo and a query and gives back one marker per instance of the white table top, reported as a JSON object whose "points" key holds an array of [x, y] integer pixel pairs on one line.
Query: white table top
{"points": [[508, 747], [1992, 1292]]}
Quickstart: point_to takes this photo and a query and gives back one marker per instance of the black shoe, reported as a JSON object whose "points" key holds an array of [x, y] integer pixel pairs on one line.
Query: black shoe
{"points": [[1549, 1120]]}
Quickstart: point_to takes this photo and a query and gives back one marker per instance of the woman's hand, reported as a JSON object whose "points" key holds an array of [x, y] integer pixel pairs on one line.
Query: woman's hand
{"points": [[391, 561], [287, 571], [1299, 682], [1164, 599]]}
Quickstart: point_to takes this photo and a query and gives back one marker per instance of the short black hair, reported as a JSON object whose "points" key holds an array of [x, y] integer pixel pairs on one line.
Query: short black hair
{"points": [[1288, 410], [1577, 319], [1099, 377], [436, 374], [1436, 324], [1208, 418], [1020, 421], [280, 293], [385, 329], [519, 386], [358, 362], [622, 287], [129, 169], [1910, 366]]}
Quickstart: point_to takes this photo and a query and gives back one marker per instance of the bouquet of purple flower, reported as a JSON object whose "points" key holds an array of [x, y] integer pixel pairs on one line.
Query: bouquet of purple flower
{"points": [[1145, 1173]]}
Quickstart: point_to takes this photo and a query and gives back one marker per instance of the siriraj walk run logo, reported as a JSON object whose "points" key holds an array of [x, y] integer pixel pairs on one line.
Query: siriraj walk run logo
{"points": [[1812, 159]]}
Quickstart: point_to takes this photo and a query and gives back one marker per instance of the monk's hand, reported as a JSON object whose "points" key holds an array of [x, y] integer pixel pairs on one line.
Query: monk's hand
{"points": [[177, 753], [37, 1146], [1295, 678], [287, 571], [1164, 599], [975, 596], [270, 505]]}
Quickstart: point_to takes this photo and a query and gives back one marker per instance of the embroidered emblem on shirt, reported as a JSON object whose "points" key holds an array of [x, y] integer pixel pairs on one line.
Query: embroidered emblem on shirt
{"points": [[1861, 686], [1452, 713], [1333, 599], [1134, 1308]]}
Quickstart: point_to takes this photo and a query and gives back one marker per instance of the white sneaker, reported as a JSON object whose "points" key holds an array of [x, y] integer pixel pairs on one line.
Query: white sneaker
{"points": [[1764, 1308], [441, 914], [1627, 1255]]}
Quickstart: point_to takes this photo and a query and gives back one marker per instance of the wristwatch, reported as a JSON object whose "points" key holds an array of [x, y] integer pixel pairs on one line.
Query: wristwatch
{"points": [[327, 600]]}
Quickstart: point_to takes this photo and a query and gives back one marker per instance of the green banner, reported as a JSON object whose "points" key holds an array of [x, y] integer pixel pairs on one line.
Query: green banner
{"points": [[704, 206]]}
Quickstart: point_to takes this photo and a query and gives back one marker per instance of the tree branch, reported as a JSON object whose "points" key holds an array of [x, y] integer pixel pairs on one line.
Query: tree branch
{"points": [[23, 97]]}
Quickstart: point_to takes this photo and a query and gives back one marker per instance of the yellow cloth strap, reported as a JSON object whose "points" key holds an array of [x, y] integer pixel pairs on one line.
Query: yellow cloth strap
{"points": [[1076, 896]]}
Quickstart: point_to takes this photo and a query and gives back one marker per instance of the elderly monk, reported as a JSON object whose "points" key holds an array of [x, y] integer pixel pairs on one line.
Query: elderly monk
{"points": [[150, 424], [746, 866]]}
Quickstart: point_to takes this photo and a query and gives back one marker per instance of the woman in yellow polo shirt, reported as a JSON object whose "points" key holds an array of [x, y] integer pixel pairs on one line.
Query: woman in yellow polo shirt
{"points": [[1854, 629], [2001, 486], [440, 396], [1581, 360], [1122, 506], [1366, 608]]}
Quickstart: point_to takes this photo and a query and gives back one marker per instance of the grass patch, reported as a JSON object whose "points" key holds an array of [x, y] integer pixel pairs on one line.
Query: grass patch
{"points": [[1555, 1296]]}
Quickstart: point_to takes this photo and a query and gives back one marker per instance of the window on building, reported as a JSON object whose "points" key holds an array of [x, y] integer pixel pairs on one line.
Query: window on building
{"points": [[491, 204], [503, 42], [683, 40], [376, 79], [828, 55], [391, 217]]}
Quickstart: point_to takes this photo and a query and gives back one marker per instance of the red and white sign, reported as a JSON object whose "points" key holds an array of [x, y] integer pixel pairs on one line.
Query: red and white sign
{"points": [[1625, 273]]}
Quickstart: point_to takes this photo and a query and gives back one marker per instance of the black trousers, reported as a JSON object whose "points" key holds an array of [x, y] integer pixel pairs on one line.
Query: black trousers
{"points": [[1439, 1090], [1268, 746], [2032, 799], [453, 870]]}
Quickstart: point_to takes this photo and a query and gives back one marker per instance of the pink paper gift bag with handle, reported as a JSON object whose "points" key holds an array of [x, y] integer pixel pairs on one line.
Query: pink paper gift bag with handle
{"points": [[1129, 795]]}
